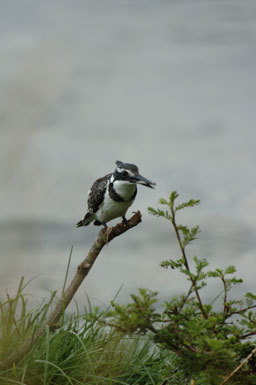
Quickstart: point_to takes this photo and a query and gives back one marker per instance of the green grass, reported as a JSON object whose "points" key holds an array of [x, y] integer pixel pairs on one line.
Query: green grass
{"points": [[82, 350]]}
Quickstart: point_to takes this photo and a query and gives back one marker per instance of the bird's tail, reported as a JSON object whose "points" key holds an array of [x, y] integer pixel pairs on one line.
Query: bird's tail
{"points": [[85, 221]]}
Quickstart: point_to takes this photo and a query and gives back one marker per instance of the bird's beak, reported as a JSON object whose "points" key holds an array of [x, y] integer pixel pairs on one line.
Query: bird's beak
{"points": [[144, 181]]}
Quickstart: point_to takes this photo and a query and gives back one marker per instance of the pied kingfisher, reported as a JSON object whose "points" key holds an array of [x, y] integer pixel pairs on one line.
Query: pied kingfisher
{"points": [[111, 196]]}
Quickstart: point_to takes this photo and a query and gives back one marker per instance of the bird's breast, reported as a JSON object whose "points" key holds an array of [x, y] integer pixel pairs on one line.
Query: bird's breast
{"points": [[126, 191]]}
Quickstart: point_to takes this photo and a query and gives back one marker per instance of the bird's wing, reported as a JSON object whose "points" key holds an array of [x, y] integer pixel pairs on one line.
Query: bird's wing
{"points": [[96, 193], [95, 199]]}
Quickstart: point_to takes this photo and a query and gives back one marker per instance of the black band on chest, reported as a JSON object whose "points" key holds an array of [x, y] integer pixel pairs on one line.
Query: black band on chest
{"points": [[113, 194]]}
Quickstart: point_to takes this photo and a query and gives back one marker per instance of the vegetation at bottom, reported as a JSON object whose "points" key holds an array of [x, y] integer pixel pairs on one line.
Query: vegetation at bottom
{"points": [[81, 349], [183, 341]]}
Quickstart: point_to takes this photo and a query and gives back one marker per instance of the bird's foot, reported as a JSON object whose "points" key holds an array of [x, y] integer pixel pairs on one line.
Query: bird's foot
{"points": [[108, 231], [125, 221]]}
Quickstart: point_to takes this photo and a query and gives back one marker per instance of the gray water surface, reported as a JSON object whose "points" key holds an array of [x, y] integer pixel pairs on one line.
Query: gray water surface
{"points": [[168, 85]]}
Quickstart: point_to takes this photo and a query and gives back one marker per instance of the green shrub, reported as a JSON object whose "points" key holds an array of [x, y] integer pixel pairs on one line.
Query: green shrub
{"points": [[209, 343]]}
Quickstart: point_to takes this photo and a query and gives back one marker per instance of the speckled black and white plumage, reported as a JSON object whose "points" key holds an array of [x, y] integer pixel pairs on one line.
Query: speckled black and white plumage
{"points": [[111, 196], [95, 199]]}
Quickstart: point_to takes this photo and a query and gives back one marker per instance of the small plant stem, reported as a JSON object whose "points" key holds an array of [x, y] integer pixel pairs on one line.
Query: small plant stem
{"points": [[186, 298], [186, 263], [244, 336], [103, 238], [227, 378], [241, 311], [225, 308]]}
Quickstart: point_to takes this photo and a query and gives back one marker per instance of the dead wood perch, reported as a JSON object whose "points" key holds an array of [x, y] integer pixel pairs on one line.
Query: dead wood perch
{"points": [[104, 237]]}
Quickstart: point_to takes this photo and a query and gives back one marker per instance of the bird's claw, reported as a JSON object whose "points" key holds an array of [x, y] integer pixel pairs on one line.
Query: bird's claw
{"points": [[108, 231]]}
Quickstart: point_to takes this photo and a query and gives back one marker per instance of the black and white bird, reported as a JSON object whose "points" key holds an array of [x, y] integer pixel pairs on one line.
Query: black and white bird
{"points": [[111, 196]]}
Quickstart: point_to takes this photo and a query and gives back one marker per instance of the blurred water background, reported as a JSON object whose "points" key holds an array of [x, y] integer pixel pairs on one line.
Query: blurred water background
{"points": [[168, 85]]}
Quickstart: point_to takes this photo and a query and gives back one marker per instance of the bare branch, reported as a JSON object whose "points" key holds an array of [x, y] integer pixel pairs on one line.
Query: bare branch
{"points": [[104, 237], [227, 378]]}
